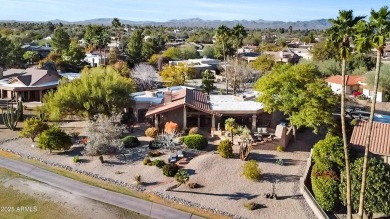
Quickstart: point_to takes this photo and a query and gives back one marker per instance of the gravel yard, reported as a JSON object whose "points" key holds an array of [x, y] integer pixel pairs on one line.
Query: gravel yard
{"points": [[224, 187]]}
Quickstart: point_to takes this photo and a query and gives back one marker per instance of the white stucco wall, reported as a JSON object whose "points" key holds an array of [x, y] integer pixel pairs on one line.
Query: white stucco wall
{"points": [[336, 88], [367, 93]]}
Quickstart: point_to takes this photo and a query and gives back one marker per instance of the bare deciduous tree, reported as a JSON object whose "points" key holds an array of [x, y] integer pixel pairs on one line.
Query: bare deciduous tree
{"points": [[145, 75], [243, 77], [104, 135], [166, 140]]}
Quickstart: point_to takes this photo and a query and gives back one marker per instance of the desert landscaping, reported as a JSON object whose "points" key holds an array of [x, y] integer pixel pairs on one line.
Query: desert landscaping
{"points": [[222, 187]]}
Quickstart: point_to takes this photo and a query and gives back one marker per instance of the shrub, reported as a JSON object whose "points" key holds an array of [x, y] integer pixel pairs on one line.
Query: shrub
{"points": [[279, 162], [75, 134], [76, 159], [279, 148], [171, 127], [170, 170], [193, 185], [193, 130], [146, 161], [158, 163], [357, 93], [137, 180], [252, 170], [329, 152], [153, 145], [353, 122], [130, 141], [325, 185], [151, 132], [118, 172], [54, 139], [225, 148], [154, 153], [251, 206], [32, 127], [196, 141], [182, 177], [181, 140]]}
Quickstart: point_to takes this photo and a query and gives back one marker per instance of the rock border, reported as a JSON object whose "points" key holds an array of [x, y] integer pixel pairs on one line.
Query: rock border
{"points": [[121, 183]]}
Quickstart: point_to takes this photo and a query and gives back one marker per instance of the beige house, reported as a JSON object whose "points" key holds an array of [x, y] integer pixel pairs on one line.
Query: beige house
{"points": [[29, 84]]}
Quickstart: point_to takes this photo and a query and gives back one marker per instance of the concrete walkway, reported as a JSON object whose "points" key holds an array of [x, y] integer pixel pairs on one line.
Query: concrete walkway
{"points": [[123, 201]]}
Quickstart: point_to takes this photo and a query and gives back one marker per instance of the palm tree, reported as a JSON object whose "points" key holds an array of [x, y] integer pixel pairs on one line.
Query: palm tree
{"points": [[339, 35], [372, 35], [223, 35], [239, 33]]}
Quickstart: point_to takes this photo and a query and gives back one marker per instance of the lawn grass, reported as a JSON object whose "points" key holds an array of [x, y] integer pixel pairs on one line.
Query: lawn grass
{"points": [[13, 203], [115, 188]]}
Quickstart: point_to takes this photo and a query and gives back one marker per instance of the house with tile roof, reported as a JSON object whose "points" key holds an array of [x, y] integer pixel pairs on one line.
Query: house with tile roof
{"points": [[189, 107], [30, 84], [353, 83], [380, 141]]}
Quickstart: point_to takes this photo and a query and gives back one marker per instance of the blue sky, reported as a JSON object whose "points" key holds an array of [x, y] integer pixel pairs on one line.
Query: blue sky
{"points": [[163, 10]]}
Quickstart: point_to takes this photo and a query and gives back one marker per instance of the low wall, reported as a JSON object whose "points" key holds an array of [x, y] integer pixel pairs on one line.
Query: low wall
{"points": [[309, 198]]}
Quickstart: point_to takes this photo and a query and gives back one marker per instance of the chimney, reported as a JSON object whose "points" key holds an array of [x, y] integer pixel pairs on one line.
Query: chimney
{"points": [[167, 96], [1, 73]]}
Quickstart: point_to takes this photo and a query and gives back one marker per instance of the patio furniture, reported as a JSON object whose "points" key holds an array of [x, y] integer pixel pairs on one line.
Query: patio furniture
{"points": [[180, 154], [172, 158]]}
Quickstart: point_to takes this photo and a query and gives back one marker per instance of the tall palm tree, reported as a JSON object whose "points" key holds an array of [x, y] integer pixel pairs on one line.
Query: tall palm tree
{"points": [[339, 35], [372, 35], [239, 33], [223, 35]]}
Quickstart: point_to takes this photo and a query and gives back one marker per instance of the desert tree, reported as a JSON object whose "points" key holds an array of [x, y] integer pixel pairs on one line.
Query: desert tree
{"points": [[145, 76]]}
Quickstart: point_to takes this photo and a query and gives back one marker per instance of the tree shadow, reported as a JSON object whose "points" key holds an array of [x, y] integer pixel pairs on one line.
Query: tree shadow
{"points": [[234, 196], [146, 184], [271, 177], [297, 197], [113, 162]]}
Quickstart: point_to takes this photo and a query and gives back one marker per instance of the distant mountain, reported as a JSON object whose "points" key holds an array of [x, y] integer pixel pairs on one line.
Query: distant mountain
{"points": [[197, 22]]}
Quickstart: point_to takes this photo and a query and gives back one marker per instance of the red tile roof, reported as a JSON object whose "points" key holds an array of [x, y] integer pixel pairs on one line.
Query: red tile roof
{"points": [[185, 97], [350, 79], [380, 141]]}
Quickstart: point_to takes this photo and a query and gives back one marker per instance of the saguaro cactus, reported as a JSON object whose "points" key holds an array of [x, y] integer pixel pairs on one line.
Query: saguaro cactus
{"points": [[20, 109], [11, 116]]}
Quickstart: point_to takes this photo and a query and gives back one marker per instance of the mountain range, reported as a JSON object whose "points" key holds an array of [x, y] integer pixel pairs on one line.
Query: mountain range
{"points": [[320, 24]]}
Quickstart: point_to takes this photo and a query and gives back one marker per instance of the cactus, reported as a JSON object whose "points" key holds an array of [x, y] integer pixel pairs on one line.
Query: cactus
{"points": [[11, 116], [20, 109]]}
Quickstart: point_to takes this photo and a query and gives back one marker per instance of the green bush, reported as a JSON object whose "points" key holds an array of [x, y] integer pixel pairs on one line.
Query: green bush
{"points": [[54, 139], [279, 148], [196, 141], [182, 177], [76, 159], [252, 170], [193, 130], [329, 153], [225, 148], [154, 153], [170, 170], [325, 185], [146, 161], [153, 145], [151, 132], [181, 140], [158, 163], [130, 141], [32, 127]]}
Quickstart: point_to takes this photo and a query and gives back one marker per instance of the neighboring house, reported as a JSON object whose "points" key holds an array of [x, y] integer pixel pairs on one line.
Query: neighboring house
{"points": [[352, 83], [247, 49], [95, 60], [43, 51], [284, 56], [303, 53], [380, 141], [249, 56], [29, 84], [200, 65]]}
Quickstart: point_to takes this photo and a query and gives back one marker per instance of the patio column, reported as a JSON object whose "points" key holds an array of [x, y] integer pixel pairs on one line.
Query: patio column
{"points": [[184, 118], [1, 94], [28, 95], [254, 122], [213, 122], [198, 120], [156, 121], [40, 95]]}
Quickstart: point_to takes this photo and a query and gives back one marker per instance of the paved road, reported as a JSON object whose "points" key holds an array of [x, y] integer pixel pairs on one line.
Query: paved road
{"points": [[133, 204]]}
